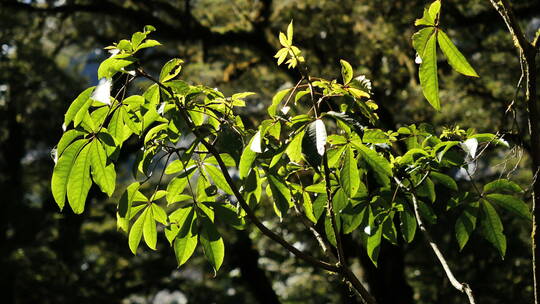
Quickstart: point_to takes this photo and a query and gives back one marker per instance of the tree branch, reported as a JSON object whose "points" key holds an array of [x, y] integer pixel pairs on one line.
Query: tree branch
{"points": [[527, 56], [463, 287]]}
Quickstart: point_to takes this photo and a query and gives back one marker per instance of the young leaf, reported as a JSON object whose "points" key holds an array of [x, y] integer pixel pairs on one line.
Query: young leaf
{"points": [[136, 231], [349, 176], [454, 56], [170, 70], [79, 182], [62, 171], [159, 214], [290, 31], [149, 229], [428, 72], [346, 71], [212, 243], [434, 9], [492, 227], [104, 175], [420, 39]]}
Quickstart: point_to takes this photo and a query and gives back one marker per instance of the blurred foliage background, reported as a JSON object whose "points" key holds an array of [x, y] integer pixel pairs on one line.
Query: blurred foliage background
{"points": [[50, 50]]}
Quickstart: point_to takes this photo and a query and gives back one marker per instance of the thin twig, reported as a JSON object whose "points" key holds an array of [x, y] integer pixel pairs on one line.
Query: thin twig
{"points": [[463, 287]]}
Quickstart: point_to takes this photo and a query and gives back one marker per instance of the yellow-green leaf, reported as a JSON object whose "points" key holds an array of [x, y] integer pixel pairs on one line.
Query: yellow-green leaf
{"points": [[454, 56]]}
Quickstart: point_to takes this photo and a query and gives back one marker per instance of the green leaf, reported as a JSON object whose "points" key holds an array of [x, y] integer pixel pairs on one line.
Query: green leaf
{"points": [[76, 105], [428, 72], [246, 160], [186, 239], [340, 200], [349, 176], [434, 9], [124, 206], [329, 230], [212, 243], [79, 182], [420, 40], [492, 227], [454, 56], [354, 216], [136, 231], [67, 138], [104, 175], [114, 64], [294, 148], [149, 229], [427, 189], [116, 126], [502, 185], [62, 171], [346, 71], [276, 100], [174, 167], [308, 207], [148, 44], [465, 224], [82, 115], [290, 31], [427, 212], [379, 164], [219, 179], [280, 193], [408, 223], [510, 203], [170, 70], [375, 136], [374, 245], [283, 40], [178, 184], [159, 214], [444, 180]]}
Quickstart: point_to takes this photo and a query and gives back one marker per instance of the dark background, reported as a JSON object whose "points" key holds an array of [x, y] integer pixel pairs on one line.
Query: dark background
{"points": [[50, 50]]}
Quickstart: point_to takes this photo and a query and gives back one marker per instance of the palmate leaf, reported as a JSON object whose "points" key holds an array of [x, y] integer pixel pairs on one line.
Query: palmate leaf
{"points": [[465, 224], [246, 160], [492, 227], [104, 175], [136, 231], [76, 106], [349, 176], [149, 229], [219, 179], [114, 64], [379, 164], [214, 248], [454, 56], [280, 193], [510, 203], [186, 240], [408, 223], [62, 171], [79, 182], [428, 72]]}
